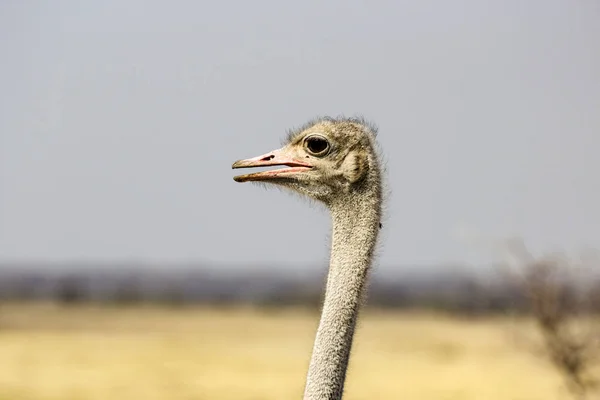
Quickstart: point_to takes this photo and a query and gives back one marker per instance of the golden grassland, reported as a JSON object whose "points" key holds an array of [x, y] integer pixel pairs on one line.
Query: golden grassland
{"points": [[49, 353]]}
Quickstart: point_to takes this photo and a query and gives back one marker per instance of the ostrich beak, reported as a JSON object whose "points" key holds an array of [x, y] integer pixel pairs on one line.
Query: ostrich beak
{"points": [[273, 158]]}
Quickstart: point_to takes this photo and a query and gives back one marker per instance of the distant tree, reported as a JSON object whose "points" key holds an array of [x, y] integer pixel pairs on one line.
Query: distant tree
{"points": [[173, 295], [70, 290], [560, 299], [127, 292]]}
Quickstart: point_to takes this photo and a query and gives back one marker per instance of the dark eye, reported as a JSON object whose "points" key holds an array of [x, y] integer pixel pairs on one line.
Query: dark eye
{"points": [[317, 145]]}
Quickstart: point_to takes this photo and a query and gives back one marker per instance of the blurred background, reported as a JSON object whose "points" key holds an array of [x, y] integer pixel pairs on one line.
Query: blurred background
{"points": [[126, 265]]}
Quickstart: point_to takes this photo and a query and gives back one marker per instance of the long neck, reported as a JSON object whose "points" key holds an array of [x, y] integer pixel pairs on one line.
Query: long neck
{"points": [[355, 230]]}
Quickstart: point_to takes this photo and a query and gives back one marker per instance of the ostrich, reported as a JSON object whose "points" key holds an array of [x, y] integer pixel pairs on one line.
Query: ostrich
{"points": [[334, 161]]}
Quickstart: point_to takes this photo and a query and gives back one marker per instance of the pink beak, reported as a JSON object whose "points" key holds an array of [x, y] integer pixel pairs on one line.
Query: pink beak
{"points": [[276, 157]]}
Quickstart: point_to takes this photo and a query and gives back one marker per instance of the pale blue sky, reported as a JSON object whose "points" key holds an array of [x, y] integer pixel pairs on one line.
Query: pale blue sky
{"points": [[119, 122]]}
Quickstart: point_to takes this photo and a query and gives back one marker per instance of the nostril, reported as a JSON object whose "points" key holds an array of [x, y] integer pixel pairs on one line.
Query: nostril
{"points": [[267, 158]]}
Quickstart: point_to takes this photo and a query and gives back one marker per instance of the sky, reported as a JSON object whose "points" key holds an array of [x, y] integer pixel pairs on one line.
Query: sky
{"points": [[119, 122]]}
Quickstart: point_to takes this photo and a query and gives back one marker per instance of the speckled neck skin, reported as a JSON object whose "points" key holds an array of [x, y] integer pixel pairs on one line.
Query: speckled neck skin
{"points": [[356, 220]]}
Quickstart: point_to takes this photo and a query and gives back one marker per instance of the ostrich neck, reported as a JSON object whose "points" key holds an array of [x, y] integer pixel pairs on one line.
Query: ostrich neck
{"points": [[355, 230]]}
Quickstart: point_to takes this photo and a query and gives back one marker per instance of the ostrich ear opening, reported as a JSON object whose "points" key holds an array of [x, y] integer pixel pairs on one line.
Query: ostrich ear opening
{"points": [[354, 167]]}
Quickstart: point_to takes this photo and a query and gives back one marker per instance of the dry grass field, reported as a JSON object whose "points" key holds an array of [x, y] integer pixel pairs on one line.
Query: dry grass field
{"points": [[53, 353]]}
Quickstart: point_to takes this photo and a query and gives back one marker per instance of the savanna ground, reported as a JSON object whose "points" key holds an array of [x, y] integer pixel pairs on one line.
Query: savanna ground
{"points": [[55, 353]]}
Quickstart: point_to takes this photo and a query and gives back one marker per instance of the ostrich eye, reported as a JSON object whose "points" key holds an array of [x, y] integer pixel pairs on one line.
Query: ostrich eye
{"points": [[317, 145]]}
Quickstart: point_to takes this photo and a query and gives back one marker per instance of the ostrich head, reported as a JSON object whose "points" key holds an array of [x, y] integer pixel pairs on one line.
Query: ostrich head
{"points": [[327, 159]]}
